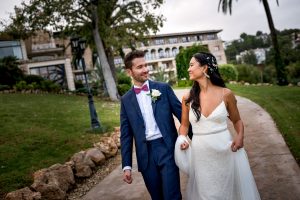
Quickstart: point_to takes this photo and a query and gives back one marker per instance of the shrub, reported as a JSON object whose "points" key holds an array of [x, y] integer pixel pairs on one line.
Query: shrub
{"points": [[293, 71], [10, 73], [33, 79], [269, 74], [228, 72], [123, 79], [4, 87], [248, 73], [123, 88], [124, 83], [47, 85], [21, 85], [184, 83], [78, 84]]}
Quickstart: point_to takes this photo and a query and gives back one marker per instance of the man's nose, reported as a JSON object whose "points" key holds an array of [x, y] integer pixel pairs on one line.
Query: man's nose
{"points": [[145, 69]]}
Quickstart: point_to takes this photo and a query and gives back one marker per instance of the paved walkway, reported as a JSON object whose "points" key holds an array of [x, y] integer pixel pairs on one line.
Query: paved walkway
{"points": [[275, 170]]}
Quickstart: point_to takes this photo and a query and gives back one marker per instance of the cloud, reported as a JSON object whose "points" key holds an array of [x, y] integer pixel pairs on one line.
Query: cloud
{"points": [[247, 16]]}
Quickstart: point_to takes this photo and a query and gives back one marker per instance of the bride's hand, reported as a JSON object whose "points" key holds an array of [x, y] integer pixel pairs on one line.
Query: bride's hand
{"points": [[237, 143], [184, 146]]}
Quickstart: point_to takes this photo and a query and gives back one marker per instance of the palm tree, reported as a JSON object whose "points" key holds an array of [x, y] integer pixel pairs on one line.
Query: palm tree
{"points": [[280, 68]]}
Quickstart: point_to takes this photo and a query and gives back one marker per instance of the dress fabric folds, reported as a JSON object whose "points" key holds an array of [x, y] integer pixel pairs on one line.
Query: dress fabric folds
{"points": [[215, 172]]}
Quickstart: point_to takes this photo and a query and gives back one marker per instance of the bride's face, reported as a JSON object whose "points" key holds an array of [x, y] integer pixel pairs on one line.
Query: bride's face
{"points": [[195, 70]]}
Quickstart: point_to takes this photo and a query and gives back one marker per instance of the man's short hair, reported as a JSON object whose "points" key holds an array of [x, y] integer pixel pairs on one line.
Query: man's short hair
{"points": [[132, 55]]}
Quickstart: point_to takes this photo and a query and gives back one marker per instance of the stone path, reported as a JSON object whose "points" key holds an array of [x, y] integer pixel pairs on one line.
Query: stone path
{"points": [[275, 170]]}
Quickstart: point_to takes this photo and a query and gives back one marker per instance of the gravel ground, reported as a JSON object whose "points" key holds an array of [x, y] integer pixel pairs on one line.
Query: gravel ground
{"points": [[84, 185]]}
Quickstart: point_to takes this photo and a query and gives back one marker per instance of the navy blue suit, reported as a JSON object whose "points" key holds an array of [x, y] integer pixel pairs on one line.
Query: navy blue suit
{"points": [[155, 159]]}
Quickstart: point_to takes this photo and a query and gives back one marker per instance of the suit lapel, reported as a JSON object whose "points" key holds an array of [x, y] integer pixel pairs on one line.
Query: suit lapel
{"points": [[152, 86], [133, 100]]}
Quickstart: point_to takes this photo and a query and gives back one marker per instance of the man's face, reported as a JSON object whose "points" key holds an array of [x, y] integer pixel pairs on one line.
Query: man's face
{"points": [[139, 71]]}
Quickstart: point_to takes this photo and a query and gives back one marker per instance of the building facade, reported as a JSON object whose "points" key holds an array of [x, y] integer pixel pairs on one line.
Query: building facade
{"points": [[161, 50], [46, 53]]}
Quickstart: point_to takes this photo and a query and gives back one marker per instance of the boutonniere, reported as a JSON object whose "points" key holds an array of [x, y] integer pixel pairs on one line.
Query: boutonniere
{"points": [[154, 94]]}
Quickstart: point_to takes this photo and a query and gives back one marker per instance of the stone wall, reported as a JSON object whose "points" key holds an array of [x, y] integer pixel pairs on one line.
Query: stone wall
{"points": [[54, 182]]}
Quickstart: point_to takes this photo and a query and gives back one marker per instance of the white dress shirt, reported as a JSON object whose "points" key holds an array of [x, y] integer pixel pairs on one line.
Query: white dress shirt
{"points": [[145, 103]]}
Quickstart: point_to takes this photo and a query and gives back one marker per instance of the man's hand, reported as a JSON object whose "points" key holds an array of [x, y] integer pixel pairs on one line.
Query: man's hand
{"points": [[127, 176]]}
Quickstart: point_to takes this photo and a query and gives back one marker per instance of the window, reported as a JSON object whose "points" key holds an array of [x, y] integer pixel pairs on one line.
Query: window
{"points": [[147, 55], [172, 40], [118, 61], [10, 48], [211, 36], [161, 53], [174, 51], [48, 72], [167, 53], [199, 37], [153, 54], [150, 67], [159, 41]]}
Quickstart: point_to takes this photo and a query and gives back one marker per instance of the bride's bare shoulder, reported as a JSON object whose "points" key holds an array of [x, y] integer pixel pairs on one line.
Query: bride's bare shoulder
{"points": [[228, 96]]}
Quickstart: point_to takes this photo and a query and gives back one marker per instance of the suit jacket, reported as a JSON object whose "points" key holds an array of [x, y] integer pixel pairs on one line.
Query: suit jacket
{"points": [[133, 127]]}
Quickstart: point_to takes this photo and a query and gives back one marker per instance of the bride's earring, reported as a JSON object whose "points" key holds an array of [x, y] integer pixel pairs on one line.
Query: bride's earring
{"points": [[205, 74]]}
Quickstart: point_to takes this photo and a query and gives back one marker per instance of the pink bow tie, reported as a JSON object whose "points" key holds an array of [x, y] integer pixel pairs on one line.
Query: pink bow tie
{"points": [[138, 90]]}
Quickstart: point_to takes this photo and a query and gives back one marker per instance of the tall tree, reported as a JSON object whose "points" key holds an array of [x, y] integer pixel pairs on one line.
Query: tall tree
{"points": [[95, 20], [279, 65]]}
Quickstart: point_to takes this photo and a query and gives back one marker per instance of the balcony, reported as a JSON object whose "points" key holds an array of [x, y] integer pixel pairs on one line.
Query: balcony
{"points": [[42, 49]]}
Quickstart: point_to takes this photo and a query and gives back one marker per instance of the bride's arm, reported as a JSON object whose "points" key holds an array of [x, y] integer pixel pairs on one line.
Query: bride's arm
{"points": [[184, 127], [234, 116]]}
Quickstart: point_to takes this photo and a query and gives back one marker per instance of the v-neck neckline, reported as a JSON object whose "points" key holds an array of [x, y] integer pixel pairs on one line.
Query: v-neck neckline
{"points": [[213, 110]]}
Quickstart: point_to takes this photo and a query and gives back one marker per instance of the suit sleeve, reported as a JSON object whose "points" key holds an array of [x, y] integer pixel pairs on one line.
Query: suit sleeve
{"points": [[174, 102], [126, 138]]}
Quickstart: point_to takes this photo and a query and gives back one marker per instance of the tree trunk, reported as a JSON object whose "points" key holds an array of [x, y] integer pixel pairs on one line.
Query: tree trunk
{"points": [[111, 61], [107, 74], [279, 65]]}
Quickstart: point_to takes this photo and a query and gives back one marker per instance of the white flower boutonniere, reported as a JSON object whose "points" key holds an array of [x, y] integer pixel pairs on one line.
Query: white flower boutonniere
{"points": [[154, 94]]}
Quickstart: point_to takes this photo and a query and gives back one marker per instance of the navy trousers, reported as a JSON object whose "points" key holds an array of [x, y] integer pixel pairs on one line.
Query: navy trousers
{"points": [[162, 175]]}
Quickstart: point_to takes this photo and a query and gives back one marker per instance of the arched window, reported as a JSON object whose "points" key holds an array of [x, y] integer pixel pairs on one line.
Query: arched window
{"points": [[167, 52], [174, 51], [161, 53], [147, 55], [153, 54]]}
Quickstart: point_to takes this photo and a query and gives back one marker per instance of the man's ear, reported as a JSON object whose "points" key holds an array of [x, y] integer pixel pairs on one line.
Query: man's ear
{"points": [[128, 71]]}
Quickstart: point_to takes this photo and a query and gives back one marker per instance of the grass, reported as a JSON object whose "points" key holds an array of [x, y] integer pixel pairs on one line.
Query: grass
{"points": [[37, 131], [283, 104]]}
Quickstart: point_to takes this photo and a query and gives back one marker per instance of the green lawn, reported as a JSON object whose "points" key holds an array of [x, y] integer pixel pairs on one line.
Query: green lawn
{"points": [[283, 104], [37, 131]]}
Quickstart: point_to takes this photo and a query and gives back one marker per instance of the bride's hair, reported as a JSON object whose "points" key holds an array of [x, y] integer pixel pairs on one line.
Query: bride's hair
{"points": [[213, 72]]}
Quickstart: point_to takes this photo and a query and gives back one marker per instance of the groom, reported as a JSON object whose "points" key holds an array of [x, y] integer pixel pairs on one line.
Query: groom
{"points": [[147, 119]]}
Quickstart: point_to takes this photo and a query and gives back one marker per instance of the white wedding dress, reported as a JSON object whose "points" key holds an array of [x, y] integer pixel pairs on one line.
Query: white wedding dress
{"points": [[215, 172]]}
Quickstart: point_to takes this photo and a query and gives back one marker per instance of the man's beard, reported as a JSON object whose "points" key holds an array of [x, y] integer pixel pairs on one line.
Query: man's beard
{"points": [[140, 79]]}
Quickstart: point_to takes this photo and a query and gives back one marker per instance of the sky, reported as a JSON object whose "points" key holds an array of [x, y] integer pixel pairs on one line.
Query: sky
{"points": [[248, 16]]}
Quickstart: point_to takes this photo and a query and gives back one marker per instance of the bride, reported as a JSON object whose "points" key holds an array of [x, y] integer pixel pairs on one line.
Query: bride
{"points": [[218, 165]]}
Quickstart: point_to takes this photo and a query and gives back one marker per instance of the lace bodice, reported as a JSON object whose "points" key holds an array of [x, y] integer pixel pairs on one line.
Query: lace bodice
{"points": [[215, 122]]}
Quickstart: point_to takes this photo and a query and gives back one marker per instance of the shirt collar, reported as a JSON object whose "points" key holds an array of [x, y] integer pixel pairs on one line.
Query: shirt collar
{"points": [[146, 82]]}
